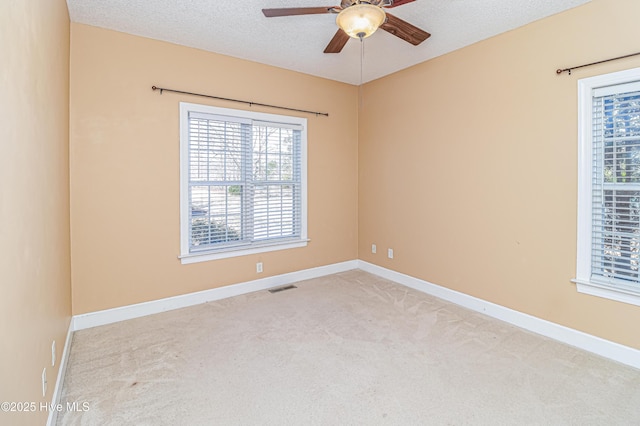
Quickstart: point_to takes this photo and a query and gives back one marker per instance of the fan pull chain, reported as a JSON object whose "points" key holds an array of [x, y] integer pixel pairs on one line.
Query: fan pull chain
{"points": [[361, 67], [361, 57]]}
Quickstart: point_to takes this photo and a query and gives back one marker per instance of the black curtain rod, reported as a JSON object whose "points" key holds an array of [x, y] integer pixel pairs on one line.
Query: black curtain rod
{"points": [[162, 89], [560, 71]]}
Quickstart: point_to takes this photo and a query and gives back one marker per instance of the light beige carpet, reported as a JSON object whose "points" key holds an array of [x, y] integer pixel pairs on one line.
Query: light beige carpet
{"points": [[346, 349]]}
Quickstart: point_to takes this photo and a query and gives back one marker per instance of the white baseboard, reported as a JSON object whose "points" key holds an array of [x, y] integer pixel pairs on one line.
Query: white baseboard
{"points": [[108, 316], [615, 351], [62, 370]]}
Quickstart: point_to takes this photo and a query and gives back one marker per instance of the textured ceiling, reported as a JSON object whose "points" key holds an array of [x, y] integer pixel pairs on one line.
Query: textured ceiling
{"points": [[239, 29]]}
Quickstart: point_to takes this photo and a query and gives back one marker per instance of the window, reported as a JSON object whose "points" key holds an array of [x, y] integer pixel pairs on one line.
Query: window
{"points": [[242, 182], [608, 263]]}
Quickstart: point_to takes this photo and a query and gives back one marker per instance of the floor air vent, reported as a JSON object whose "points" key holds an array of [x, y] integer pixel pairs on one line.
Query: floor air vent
{"points": [[279, 289]]}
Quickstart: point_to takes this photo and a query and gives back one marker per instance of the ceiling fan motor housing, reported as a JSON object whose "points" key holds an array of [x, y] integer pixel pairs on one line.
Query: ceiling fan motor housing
{"points": [[346, 3]]}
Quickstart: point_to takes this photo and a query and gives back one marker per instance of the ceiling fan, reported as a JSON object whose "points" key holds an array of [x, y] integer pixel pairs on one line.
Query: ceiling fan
{"points": [[359, 19]]}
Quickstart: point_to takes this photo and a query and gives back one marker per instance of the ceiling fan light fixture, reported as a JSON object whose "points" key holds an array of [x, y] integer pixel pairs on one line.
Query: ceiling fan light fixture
{"points": [[360, 20]]}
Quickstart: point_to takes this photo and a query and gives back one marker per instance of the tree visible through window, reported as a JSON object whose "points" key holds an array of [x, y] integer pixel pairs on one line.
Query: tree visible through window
{"points": [[243, 180], [619, 195], [608, 261]]}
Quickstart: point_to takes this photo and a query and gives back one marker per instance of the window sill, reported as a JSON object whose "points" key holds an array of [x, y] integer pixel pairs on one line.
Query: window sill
{"points": [[601, 290], [204, 256]]}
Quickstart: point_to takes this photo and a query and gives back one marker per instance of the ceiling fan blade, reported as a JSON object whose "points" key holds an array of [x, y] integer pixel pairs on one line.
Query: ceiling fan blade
{"points": [[292, 11], [397, 3], [337, 42], [404, 30]]}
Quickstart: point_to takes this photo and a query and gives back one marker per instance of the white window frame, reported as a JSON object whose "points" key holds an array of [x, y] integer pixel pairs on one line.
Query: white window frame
{"points": [[584, 281], [187, 257]]}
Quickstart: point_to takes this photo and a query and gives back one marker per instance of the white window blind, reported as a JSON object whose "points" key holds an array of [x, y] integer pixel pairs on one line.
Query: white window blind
{"points": [[243, 181], [217, 181], [276, 201], [615, 254]]}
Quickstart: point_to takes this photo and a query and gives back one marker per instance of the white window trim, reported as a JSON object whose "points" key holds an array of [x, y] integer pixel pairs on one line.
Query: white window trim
{"points": [[583, 280], [187, 257]]}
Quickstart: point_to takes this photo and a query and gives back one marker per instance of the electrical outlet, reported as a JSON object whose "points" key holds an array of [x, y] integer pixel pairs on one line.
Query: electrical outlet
{"points": [[53, 354], [390, 253], [259, 267], [373, 248], [44, 382]]}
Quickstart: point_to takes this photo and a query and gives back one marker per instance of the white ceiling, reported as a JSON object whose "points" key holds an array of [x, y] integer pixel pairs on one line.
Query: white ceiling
{"points": [[238, 28]]}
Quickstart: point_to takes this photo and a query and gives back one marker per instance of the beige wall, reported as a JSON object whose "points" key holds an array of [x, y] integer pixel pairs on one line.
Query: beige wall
{"points": [[472, 177], [124, 152], [35, 287]]}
